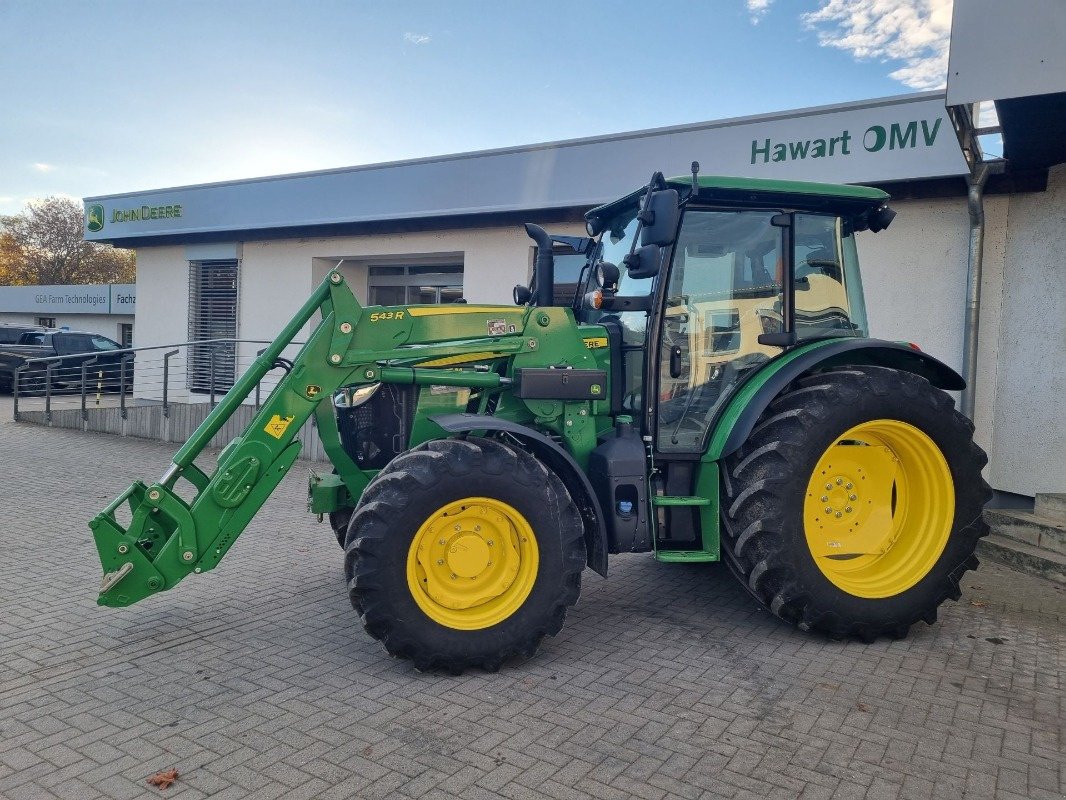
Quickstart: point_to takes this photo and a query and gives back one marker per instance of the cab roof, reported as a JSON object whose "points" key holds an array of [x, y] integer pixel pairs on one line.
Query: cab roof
{"points": [[762, 192]]}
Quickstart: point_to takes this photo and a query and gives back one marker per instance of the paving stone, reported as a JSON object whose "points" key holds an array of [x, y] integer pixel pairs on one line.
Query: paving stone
{"points": [[257, 681]]}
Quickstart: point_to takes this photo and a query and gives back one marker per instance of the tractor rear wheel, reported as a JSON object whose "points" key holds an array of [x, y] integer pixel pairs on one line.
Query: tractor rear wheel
{"points": [[855, 505], [464, 552]]}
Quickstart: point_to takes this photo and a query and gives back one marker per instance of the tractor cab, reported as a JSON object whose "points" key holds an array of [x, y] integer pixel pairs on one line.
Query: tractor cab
{"points": [[717, 281]]}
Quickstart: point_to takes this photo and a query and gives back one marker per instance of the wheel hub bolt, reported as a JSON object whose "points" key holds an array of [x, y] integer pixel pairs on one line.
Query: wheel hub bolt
{"points": [[825, 498], [457, 527], [839, 515], [840, 481], [849, 487], [853, 497], [440, 562], [489, 542], [454, 576], [848, 510], [828, 486], [828, 510]]}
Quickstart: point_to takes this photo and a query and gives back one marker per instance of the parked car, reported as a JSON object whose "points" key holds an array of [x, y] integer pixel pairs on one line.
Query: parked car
{"points": [[80, 346], [11, 332]]}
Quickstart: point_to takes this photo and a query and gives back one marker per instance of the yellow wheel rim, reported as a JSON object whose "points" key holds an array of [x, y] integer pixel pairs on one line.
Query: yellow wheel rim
{"points": [[472, 564], [879, 508]]}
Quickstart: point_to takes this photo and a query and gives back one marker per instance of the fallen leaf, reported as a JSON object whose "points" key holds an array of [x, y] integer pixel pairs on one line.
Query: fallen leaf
{"points": [[975, 586], [163, 779], [863, 707], [978, 603]]}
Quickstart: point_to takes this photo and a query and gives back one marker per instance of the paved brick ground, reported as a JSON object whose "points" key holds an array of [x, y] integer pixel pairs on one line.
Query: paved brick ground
{"points": [[667, 682]]}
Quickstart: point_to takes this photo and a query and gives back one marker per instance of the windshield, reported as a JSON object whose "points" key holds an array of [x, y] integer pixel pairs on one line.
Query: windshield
{"points": [[616, 242]]}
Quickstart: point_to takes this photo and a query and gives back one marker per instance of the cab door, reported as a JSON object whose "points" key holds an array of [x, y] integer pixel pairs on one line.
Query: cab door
{"points": [[724, 289]]}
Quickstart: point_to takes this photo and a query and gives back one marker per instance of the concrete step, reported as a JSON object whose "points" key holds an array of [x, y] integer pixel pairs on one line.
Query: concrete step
{"points": [[1031, 529], [1023, 557], [1052, 506]]}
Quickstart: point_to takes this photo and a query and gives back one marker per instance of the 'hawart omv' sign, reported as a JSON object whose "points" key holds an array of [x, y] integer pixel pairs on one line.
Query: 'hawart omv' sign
{"points": [[893, 136], [878, 141]]}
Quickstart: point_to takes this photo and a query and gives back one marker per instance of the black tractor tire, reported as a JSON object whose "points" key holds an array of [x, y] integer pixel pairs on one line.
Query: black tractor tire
{"points": [[339, 520], [404, 495], [765, 483]]}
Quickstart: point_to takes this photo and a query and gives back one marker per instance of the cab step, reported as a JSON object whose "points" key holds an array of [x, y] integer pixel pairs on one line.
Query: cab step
{"points": [[668, 500]]}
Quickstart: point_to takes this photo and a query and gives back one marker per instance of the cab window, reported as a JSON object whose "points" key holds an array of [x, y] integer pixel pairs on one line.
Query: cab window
{"points": [[725, 290], [827, 304]]}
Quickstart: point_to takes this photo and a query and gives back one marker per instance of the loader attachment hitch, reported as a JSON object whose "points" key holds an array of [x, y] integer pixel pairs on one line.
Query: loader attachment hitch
{"points": [[167, 537]]}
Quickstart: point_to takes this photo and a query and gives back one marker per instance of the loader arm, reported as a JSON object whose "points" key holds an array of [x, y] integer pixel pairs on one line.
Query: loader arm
{"points": [[168, 537]]}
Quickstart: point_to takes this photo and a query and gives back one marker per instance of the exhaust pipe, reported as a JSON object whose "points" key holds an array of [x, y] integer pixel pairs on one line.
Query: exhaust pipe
{"points": [[544, 267]]}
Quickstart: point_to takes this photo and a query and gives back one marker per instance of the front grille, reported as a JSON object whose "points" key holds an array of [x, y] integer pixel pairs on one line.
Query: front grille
{"points": [[379, 430]]}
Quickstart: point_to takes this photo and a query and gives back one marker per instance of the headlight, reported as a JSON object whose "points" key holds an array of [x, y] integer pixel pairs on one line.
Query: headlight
{"points": [[354, 396]]}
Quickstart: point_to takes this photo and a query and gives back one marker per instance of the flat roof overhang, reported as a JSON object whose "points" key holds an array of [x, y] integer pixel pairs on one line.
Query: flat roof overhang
{"points": [[884, 141]]}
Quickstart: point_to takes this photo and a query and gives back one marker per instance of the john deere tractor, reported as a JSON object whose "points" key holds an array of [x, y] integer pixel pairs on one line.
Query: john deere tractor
{"points": [[707, 392]]}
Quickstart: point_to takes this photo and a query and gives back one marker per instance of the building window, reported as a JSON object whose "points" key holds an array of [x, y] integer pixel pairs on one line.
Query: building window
{"points": [[46, 322], [125, 334], [395, 285], [212, 317]]}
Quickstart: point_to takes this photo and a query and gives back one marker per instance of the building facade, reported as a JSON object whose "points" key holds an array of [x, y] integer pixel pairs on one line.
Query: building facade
{"points": [[236, 259]]}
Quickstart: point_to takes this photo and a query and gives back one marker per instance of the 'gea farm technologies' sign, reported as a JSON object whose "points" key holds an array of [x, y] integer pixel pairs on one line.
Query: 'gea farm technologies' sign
{"points": [[113, 298]]}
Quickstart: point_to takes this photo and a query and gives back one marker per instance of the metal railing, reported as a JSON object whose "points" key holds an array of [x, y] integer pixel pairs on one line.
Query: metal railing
{"points": [[136, 376]]}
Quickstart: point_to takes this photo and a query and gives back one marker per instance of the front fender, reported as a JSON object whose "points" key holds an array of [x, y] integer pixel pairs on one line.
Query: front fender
{"points": [[561, 462], [737, 420]]}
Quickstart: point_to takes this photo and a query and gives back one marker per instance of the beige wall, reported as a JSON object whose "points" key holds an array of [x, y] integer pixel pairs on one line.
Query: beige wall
{"points": [[1029, 438]]}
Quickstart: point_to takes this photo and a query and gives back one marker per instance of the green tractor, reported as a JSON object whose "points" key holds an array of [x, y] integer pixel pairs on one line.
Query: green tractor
{"points": [[707, 391]]}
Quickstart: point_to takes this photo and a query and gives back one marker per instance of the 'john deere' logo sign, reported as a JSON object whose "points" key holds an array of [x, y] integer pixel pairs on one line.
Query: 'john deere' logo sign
{"points": [[95, 217]]}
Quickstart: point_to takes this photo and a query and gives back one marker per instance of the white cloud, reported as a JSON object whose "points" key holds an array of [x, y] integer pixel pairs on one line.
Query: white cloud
{"points": [[915, 32], [416, 38], [987, 116], [42, 167], [757, 9]]}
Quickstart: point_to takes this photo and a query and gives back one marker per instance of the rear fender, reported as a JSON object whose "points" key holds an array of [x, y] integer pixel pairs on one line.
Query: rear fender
{"points": [[738, 419], [558, 460]]}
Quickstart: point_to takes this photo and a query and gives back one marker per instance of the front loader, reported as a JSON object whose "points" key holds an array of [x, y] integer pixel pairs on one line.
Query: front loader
{"points": [[709, 393]]}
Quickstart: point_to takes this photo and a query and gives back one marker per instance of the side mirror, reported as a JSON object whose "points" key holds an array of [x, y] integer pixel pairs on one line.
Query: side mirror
{"points": [[644, 262], [881, 219], [660, 216]]}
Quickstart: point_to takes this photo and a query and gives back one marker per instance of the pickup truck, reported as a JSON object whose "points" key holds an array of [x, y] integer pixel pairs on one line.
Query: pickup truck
{"points": [[80, 346]]}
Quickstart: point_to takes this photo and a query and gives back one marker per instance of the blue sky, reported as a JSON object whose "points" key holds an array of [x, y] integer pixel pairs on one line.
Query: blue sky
{"points": [[106, 97]]}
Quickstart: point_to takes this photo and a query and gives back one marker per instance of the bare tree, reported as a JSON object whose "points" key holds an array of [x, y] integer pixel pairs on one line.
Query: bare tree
{"points": [[45, 245]]}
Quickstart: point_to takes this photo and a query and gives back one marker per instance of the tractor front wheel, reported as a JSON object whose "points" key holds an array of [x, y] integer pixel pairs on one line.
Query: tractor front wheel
{"points": [[855, 505], [464, 552]]}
